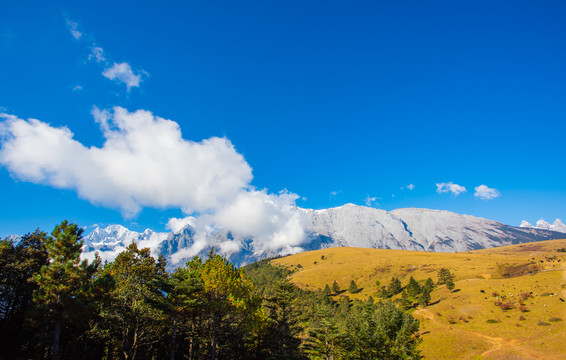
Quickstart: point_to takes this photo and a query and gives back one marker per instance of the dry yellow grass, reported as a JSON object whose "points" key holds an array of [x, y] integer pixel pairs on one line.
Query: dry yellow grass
{"points": [[456, 325]]}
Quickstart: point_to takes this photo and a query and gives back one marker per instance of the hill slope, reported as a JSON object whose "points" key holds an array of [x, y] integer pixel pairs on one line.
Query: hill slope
{"points": [[466, 323]]}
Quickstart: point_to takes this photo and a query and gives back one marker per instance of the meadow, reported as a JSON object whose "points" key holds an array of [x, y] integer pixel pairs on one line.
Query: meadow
{"points": [[508, 302]]}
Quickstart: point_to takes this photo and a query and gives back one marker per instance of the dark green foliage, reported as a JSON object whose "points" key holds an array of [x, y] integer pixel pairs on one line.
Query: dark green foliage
{"points": [[131, 318], [53, 305], [19, 264], [380, 332], [324, 338], [353, 288]]}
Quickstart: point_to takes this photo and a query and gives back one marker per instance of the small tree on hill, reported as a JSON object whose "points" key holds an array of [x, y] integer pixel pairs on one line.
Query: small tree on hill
{"points": [[335, 287], [353, 288], [424, 298], [394, 287], [326, 290], [429, 284], [444, 276], [413, 288], [450, 285]]}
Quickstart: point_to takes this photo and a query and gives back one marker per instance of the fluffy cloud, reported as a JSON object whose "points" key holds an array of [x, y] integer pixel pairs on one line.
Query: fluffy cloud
{"points": [[271, 219], [450, 187], [486, 193], [123, 73], [145, 162]]}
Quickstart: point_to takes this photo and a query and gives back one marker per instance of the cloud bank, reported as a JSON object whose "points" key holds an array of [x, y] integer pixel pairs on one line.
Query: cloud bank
{"points": [[145, 162]]}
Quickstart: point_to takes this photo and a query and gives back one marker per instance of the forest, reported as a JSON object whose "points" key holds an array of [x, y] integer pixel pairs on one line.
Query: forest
{"points": [[53, 305]]}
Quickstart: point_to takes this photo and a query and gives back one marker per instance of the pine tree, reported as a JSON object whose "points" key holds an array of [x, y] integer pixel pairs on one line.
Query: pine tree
{"points": [[326, 290], [353, 288], [424, 297], [64, 285], [323, 335], [444, 276], [335, 287], [450, 285], [429, 284], [413, 288], [394, 287]]}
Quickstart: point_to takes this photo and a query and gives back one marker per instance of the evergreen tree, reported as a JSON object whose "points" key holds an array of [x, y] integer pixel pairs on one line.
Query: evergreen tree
{"points": [[326, 290], [323, 335], [429, 284], [424, 297], [282, 336], [444, 276], [394, 287], [353, 288], [65, 284], [335, 287], [413, 288], [450, 285]]}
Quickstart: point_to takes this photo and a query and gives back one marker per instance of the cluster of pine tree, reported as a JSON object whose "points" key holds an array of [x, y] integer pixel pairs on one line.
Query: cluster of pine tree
{"points": [[55, 306]]}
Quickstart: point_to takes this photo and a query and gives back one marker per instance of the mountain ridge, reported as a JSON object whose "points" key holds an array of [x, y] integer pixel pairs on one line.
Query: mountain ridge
{"points": [[344, 226]]}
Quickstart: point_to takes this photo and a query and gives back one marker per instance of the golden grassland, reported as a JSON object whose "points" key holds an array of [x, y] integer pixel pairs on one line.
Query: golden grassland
{"points": [[466, 323]]}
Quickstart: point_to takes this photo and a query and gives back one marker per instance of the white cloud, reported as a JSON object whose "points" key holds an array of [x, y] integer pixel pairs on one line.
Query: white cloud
{"points": [[455, 189], [176, 224], [370, 200], [77, 88], [123, 73], [73, 28], [486, 193], [410, 186], [97, 53], [145, 162], [271, 219]]}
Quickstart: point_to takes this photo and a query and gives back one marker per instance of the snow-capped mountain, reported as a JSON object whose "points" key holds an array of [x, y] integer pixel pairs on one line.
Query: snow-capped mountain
{"points": [[348, 225], [557, 226]]}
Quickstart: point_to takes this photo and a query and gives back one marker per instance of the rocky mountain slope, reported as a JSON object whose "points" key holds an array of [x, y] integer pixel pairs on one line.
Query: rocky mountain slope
{"points": [[348, 225]]}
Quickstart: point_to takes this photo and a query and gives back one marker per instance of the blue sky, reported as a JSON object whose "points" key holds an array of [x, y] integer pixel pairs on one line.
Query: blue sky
{"points": [[337, 102]]}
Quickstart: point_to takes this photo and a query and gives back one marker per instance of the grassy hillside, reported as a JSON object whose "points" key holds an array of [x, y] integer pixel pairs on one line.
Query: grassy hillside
{"points": [[472, 321]]}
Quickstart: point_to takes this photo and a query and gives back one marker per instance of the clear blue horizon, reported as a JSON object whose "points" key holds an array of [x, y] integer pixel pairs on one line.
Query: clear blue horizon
{"points": [[441, 105]]}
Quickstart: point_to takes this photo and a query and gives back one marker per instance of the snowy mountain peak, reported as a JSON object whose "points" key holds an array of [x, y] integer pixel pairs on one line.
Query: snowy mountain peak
{"points": [[541, 224], [525, 224], [557, 226]]}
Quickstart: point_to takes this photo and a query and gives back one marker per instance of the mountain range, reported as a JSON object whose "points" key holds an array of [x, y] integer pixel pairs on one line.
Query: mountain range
{"points": [[347, 225]]}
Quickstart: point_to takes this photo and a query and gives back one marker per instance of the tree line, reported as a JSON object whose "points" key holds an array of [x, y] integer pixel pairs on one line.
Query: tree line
{"points": [[53, 305]]}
